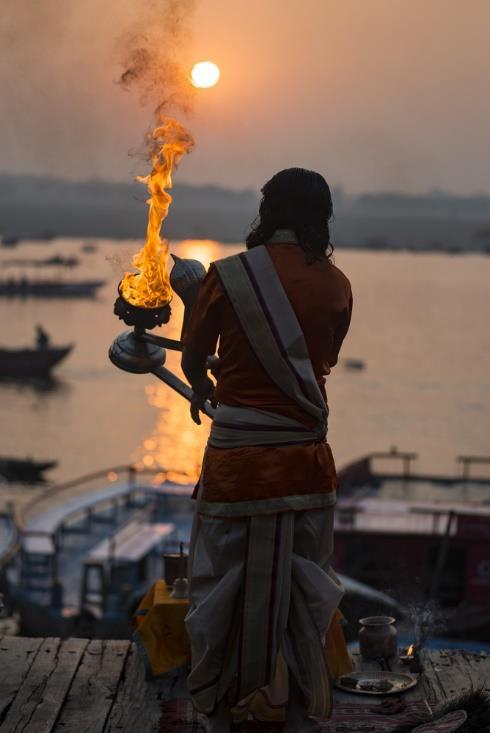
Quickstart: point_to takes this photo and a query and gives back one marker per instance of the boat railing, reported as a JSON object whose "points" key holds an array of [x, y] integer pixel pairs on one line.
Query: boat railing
{"points": [[417, 520], [405, 458], [130, 476], [362, 471], [468, 461], [361, 475]]}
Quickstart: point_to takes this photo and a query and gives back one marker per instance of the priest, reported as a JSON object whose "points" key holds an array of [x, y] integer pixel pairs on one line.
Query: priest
{"points": [[263, 593]]}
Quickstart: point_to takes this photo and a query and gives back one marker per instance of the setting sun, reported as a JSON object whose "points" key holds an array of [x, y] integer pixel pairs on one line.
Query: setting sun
{"points": [[205, 74]]}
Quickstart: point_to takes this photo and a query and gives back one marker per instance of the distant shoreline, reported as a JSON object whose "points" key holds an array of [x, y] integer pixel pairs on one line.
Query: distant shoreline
{"points": [[33, 207]]}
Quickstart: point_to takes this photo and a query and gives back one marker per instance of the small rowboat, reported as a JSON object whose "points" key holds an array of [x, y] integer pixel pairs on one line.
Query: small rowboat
{"points": [[31, 362], [49, 288], [25, 471]]}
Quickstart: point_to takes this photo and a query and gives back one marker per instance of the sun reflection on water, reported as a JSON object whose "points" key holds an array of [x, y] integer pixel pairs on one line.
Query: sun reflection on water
{"points": [[176, 444]]}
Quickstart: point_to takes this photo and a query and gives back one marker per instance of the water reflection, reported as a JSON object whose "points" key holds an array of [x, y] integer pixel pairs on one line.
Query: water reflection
{"points": [[96, 415], [175, 443], [39, 385]]}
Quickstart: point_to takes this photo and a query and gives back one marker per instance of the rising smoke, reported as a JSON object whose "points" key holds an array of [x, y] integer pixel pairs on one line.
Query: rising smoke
{"points": [[62, 66], [151, 57], [152, 64]]}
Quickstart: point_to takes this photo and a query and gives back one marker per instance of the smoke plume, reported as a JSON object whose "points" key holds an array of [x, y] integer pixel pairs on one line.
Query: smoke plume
{"points": [[151, 54], [60, 64]]}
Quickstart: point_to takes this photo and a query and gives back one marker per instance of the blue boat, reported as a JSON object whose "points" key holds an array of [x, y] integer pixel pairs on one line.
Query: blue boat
{"points": [[89, 550]]}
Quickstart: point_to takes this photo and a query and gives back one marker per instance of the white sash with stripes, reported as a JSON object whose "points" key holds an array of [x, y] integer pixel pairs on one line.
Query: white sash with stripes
{"points": [[258, 298]]}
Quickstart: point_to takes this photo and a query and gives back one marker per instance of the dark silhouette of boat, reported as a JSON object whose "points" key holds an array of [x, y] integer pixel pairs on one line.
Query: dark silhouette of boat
{"points": [[49, 288], [31, 362], [9, 240], [54, 261], [24, 471], [89, 247], [354, 364]]}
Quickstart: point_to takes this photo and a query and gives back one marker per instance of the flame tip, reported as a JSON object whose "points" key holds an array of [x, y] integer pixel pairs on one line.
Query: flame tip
{"points": [[150, 287]]}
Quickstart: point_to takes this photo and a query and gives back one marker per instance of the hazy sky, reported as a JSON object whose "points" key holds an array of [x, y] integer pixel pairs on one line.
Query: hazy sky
{"points": [[376, 94]]}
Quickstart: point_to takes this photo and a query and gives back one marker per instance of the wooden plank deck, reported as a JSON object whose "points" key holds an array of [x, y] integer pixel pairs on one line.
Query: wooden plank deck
{"points": [[82, 686]]}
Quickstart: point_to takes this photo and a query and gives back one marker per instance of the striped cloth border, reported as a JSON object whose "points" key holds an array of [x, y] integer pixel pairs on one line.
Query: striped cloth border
{"points": [[178, 716], [275, 337]]}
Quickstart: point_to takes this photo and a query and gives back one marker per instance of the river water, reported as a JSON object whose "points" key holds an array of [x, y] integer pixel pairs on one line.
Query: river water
{"points": [[420, 324]]}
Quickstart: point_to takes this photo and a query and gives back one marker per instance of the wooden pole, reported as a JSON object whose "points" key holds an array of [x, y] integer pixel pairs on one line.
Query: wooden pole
{"points": [[441, 558]]}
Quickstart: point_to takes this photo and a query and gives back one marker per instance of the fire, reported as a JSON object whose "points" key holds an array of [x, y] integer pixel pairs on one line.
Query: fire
{"points": [[410, 650], [150, 287]]}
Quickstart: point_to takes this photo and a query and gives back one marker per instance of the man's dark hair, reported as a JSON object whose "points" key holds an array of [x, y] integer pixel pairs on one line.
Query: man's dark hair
{"points": [[296, 199]]}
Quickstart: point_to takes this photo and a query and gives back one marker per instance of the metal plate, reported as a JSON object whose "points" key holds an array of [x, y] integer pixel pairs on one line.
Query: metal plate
{"points": [[400, 681]]}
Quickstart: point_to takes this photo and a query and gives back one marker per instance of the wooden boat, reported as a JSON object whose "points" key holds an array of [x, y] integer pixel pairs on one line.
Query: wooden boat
{"points": [[49, 288], [88, 555], [24, 471], [423, 538], [353, 364], [89, 247], [9, 240], [31, 362], [54, 261]]}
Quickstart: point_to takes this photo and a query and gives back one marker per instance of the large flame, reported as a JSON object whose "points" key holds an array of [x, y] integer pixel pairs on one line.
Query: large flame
{"points": [[150, 287]]}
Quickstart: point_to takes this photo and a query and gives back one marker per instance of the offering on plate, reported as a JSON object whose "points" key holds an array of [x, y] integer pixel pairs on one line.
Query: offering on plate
{"points": [[375, 685], [349, 682]]}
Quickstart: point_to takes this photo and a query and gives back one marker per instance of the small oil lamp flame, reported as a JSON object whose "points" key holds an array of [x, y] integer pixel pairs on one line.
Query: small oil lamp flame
{"points": [[408, 655], [412, 659]]}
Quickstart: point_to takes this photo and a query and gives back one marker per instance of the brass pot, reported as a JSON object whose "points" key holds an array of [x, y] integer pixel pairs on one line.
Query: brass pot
{"points": [[173, 567], [378, 637]]}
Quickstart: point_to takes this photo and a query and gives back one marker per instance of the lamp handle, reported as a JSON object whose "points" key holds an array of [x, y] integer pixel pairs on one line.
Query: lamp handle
{"points": [[162, 341], [173, 345], [179, 386]]}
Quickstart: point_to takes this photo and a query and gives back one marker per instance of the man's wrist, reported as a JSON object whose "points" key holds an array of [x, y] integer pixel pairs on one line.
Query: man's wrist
{"points": [[203, 389]]}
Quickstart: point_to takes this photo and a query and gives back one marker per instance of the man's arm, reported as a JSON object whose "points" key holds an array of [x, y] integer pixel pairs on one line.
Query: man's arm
{"points": [[200, 340], [341, 332], [194, 368]]}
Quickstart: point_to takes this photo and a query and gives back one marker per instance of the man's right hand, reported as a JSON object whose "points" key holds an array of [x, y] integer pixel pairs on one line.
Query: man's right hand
{"points": [[198, 399]]}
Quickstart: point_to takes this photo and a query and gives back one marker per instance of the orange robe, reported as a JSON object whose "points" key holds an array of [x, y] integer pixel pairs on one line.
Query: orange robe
{"points": [[321, 298]]}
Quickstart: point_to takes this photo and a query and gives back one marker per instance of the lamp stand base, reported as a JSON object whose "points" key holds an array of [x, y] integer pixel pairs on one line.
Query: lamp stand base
{"points": [[132, 354]]}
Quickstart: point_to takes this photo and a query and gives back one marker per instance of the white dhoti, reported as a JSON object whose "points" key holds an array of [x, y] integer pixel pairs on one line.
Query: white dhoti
{"points": [[261, 588]]}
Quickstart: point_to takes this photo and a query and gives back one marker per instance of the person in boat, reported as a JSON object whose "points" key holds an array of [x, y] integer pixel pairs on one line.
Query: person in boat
{"points": [[42, 338], [262, 592]]}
